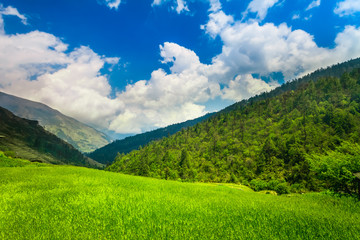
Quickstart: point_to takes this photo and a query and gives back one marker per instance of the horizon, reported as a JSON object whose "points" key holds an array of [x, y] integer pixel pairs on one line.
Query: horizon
{"points": [[131, 67]]}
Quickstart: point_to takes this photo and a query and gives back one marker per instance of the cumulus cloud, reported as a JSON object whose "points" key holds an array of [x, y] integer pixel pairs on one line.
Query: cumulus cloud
{"points": [[250, 47], [347, 7], [218, 21], [40, 67], [313, 4], [72, 83], [260, 7], [246, 86], [167, 97], [253, 48], [35, 66]]}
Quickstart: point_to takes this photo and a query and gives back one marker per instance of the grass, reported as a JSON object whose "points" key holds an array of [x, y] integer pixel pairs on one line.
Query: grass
{"points": [[78, 203], [6, 161]]}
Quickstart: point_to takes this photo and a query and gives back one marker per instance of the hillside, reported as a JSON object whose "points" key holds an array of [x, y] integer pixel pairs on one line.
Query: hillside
{"points": [[270, 141], [26, 139], [78, 203], [81, 136], [108, 153]]}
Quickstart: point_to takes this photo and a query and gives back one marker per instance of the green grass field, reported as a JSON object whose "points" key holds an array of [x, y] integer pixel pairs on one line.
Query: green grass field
{"points": [[45, 202]]}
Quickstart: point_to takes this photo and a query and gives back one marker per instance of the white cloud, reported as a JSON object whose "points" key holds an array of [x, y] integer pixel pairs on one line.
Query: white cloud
{"points": [[347, 44], [347, 7], [218, 21], [245, 86], [113, 3], [11, 12], [71, 82], [179, 5], [167, 97], [313, 4], [260, 7], [215, 6], [40, 67], [295, 16], [253, 48], [250, 48], [158, 2]]}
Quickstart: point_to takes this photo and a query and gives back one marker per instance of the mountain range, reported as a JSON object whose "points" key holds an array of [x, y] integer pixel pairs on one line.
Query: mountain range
{"points": [[26, 139], [81, 136]]}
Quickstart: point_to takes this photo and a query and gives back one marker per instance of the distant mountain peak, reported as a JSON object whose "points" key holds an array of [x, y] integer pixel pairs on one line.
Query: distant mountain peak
{"points": [[81, 136]]}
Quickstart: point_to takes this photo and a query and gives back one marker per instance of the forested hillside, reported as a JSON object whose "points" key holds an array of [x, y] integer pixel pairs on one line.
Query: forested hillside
{"points": [[295, 140], [24, 138], [108, 153]]}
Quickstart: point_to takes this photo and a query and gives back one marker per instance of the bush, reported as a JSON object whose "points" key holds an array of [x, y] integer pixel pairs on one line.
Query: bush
{"points": [[11, 154], [258, 185], [282, 188], [336, 168]]}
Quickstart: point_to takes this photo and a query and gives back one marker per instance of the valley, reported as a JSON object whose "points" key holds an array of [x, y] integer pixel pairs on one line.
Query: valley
{"points": [[180, 119]]}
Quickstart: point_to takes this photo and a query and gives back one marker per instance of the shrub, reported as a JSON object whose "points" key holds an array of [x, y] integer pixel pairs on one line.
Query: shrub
{"points": [[258, 184], [282, 188], [336, 168]]}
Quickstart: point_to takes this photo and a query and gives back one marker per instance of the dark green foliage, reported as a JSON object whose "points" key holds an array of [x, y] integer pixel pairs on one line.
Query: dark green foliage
{"points": [[337, 168], [281, 187], [272, 138], [26, 139], [107, 153]]}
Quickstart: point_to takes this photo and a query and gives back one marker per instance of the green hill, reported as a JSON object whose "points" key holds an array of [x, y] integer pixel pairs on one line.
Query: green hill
{"points": [[271, 141], [107, 154], [78, 203], [81, 136], [26, 139]]}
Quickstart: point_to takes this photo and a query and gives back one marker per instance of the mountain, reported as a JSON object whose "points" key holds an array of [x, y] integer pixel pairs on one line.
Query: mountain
{"points": [[24, 138], [108, 153], [278, 140], [81, 136]]}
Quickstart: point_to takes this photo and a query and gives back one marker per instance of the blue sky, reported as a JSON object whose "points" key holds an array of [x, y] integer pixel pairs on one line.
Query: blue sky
{"points": [[129, 66]]}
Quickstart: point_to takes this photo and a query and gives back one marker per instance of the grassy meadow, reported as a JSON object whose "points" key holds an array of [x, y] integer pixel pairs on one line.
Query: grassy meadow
{"points": [[59, 202]]}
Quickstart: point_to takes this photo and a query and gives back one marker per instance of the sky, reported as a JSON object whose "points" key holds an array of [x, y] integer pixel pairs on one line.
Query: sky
{"points": [[130, 66]]}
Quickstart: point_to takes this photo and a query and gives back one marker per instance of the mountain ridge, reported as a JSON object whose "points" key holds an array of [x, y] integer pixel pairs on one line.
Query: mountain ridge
{"points": [[80, 135], [26, 139], [108, 153]]}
